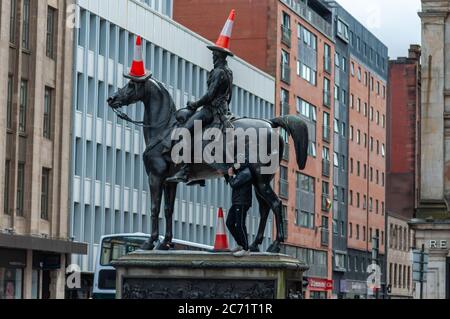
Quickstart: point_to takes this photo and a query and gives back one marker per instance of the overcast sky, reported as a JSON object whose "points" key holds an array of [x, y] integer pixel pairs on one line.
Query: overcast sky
{"points": [[394, 22]]}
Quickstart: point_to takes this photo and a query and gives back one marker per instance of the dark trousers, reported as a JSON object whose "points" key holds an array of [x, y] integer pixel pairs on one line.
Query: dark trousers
{"points": [[204, 115], [236, 224]]}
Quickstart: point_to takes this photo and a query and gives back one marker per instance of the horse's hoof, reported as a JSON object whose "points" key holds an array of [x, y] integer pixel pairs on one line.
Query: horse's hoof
{"points": [[164, 246], [254, 249], [274, 248], [148, 245]]}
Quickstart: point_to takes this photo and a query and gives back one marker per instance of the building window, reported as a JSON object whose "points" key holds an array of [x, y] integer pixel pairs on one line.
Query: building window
{"points": [[26, 25], [50, 32], [326, 92], [6, 192], [358, 204], [20, 189], [284, 185], [45, 193], [9, 102], [306, 110], [327, 58], [48, 102], [308, 37], [357, 232], [306, 73], [350, 230], [285, 67], [305, 219], [12, 22], [343, 30], [23, 105], [364, 233]]}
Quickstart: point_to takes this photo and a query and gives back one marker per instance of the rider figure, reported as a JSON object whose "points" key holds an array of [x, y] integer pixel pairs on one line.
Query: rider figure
{"points": [[214, 104]]}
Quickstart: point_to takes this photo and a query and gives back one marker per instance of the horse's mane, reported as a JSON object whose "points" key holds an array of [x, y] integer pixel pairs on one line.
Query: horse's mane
{"points": [[165, 92]]}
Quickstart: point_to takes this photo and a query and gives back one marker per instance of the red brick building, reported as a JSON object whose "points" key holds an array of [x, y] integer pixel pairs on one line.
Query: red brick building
{"points": [[403, 167], [403, 134], [294, 44]]}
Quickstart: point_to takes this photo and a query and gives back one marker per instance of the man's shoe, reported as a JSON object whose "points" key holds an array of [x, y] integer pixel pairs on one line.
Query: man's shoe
{"points": [[201, 183], [180, 177], [236, 249], [241, 253]]}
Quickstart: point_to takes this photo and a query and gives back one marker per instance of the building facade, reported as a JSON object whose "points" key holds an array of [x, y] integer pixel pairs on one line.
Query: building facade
{"points": [[432, 223], [403, 162], [399, 264], [293, 41], [110, 193], [36, 54]]}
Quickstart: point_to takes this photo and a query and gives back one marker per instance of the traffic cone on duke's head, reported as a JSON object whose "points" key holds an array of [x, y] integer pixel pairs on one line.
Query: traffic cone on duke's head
{"points": [[137, 72], [221, 243], [223, 43]]}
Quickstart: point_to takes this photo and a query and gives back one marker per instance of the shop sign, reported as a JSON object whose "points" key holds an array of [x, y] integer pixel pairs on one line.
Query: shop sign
{"points": [[353, 287], [438, 244], [317, 284]]}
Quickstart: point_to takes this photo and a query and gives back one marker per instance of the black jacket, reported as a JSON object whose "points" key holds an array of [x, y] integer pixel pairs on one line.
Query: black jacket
{"points": [[219, 93], [241, 184]]}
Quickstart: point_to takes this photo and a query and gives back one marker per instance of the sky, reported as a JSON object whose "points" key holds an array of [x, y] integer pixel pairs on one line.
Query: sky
{"points": [[394, 22]]}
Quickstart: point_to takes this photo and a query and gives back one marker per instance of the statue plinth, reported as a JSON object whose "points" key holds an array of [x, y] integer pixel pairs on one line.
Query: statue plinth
{"points": [[202, 275]]}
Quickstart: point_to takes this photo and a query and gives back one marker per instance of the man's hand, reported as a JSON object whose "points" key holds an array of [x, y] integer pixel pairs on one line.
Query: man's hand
{"points": [[192, 106], [231, 172]]}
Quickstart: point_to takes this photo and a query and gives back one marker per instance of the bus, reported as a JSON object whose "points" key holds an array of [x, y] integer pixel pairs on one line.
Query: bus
{"points": [[112, 247]]}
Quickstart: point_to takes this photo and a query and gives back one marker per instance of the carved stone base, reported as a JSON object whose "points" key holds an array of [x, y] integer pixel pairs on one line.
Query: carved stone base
{"points": [[199, 275]]}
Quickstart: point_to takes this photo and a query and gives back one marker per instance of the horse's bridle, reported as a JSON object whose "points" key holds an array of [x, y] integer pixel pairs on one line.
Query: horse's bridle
{"points": [[142, 124]]}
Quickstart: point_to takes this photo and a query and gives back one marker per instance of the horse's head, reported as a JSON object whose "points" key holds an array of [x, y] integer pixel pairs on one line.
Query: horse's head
{"points": [[131, 93]]}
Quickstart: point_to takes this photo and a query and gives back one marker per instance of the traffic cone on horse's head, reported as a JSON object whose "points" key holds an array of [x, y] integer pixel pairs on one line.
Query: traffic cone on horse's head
{"points": [[221, 243], [137, 72]]}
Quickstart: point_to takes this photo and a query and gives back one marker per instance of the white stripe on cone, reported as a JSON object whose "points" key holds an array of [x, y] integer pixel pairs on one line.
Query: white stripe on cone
{"points": [[138, 53], [227, 29]]}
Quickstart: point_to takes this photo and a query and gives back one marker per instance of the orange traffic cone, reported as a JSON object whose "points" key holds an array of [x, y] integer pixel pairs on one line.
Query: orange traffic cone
{"points": [[137, 72], [223, 43], [221, 243]]}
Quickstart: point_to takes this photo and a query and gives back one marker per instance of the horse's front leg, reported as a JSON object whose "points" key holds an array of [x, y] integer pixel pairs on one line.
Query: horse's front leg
{"points": [[156, 189], [170, 192]]}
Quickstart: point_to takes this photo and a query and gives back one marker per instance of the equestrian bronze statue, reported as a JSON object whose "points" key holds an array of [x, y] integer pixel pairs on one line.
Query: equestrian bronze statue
{"points": [[160, 122]]}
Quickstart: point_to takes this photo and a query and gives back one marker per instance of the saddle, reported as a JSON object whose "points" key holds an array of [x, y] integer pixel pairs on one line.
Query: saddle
{"points": [[221, 122]]}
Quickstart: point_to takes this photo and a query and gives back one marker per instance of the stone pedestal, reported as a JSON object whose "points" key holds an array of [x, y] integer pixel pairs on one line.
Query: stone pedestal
{"points": [[202, 275]]}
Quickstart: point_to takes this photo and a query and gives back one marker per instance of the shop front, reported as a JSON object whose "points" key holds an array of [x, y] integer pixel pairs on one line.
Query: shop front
{"points": [[12, 265], [33, 267], [353, 289], [319, 288]]}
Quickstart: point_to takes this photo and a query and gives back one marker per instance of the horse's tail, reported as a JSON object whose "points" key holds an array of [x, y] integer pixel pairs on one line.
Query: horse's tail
{"points": [[298, 130]]}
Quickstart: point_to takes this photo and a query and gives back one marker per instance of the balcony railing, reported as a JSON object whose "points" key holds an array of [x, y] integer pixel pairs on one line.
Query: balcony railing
{"points": [[325, 201], [327, 64], [285, 73], [284, 189], [326, 168], [326, 133], [285, 108], [325, 237], [286, 152], [286, 35], [315, 19], [327, 98]]}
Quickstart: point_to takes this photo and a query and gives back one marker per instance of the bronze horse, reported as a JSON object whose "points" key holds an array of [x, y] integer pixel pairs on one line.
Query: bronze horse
{"points": [[160, 121]]}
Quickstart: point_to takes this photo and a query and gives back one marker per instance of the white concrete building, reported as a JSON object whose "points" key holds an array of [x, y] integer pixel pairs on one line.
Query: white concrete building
{"points": [[109, 185], [433, 215]]}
